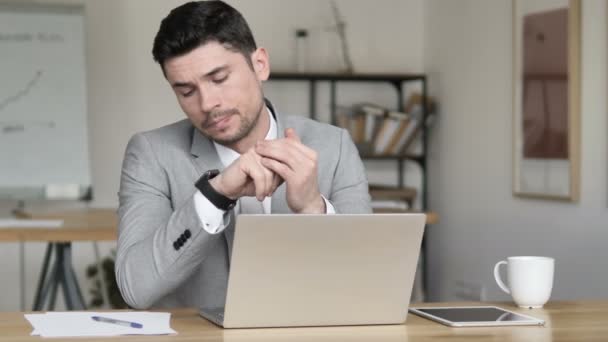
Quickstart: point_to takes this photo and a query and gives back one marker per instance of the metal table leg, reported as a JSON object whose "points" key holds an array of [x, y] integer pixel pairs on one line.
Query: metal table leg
{"points": [[70, 283], [22, 275], [62, 274], [42, 280]]}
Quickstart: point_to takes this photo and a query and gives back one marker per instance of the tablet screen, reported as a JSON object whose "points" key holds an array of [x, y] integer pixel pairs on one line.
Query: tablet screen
{"points": [[477, 315]]}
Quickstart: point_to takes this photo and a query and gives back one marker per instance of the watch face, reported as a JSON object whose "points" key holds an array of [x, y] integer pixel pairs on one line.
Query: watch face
{"points": [[211, 173]]}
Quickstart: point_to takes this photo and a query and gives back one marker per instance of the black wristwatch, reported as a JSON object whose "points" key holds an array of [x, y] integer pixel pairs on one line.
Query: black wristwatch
{"points": [[220, 201]]}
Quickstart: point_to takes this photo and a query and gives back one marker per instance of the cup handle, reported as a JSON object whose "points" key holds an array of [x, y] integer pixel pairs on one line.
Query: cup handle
{"points": [[497, 277]]}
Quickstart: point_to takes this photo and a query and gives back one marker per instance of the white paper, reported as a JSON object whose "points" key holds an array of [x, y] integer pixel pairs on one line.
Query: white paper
{"points": [[23, 223], [81, 324]]}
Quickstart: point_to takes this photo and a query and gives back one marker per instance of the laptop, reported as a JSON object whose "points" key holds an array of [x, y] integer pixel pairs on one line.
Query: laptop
{"points": [[320, 270]]}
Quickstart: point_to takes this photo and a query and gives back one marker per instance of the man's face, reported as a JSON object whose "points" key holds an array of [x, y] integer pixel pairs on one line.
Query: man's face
{"points": [[220, 92]]}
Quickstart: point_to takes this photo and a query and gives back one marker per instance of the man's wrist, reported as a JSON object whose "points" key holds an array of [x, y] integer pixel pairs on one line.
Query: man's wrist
{"points": [[216, 183], [317, 208], [206, 188]]}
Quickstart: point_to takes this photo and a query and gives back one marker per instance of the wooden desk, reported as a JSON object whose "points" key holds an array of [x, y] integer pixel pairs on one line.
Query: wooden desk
{"points": [[566, 321], [79, 225]]}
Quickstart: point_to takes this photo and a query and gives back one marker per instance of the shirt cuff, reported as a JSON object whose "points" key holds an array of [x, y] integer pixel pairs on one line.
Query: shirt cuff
{"points": [[210, 216], [329, 208]]}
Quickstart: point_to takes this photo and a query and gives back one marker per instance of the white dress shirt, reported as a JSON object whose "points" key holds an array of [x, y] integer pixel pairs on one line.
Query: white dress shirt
{"points": [[214, 220]]}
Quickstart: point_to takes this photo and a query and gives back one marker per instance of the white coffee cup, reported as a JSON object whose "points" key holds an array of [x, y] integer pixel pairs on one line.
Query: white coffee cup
{"points": [[530, 279]]}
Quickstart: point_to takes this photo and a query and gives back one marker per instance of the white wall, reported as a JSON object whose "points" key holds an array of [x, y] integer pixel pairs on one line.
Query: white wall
{"points": [[127, 92], [468, 53]]}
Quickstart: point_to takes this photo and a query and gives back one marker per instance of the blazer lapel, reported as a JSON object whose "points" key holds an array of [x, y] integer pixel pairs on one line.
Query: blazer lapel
{"points": [[205, 154]]}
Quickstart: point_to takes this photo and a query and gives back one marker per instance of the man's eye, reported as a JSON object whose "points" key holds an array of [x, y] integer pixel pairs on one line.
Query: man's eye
{"points": [[220, 80], [188, 93]]}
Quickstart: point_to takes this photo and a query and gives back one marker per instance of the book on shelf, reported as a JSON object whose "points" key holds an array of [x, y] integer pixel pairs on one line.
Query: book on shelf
{"points": [[403, 141], [414, 107], [392, 128], [374, 116]]}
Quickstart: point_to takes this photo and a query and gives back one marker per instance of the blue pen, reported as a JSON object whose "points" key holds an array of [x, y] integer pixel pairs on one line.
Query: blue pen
{"points": [[118, 322]]}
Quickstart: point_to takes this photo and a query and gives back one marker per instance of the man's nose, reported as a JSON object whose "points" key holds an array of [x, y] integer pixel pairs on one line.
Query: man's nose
{"points": [[210, 99]]}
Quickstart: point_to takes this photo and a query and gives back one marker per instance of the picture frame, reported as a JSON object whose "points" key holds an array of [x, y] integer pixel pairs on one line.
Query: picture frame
{"points": [[546, 99]]}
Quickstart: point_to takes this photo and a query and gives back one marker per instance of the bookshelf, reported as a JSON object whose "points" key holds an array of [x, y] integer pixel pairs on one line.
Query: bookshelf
{"points": [[398, 82]]}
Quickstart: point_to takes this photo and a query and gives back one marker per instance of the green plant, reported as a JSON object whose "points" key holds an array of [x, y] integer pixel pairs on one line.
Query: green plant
{"points": [[109, 277]]}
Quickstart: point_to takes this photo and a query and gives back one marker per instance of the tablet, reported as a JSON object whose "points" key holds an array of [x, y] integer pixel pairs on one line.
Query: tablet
{"points": [[475, 316]]}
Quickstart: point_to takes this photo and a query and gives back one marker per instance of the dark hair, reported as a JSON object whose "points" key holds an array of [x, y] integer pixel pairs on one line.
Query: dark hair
{"points": [[198, 22]]}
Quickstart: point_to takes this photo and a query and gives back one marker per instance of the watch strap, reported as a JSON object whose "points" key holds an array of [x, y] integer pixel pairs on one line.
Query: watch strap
{"points": [[217, 199]]}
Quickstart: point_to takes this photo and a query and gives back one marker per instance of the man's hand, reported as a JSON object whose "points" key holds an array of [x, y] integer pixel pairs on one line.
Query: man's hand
{"points": [[246, 176], [297, 165]]}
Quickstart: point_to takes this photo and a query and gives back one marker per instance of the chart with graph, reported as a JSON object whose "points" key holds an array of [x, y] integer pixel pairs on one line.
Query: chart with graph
{"points": [[43, 107]]}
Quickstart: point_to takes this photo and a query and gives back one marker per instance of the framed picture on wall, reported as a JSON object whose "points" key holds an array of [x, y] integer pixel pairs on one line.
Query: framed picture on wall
{"points": [[546, 98]]}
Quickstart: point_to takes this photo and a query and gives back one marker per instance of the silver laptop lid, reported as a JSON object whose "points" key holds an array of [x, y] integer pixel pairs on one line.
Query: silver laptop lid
{"points": [[316, 270]]}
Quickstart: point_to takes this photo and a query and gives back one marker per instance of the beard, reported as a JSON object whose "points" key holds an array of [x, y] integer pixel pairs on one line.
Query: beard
{"points": [[247, 124]]}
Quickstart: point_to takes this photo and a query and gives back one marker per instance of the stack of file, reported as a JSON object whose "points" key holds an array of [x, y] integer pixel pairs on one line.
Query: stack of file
{"points": [[89, 324]]}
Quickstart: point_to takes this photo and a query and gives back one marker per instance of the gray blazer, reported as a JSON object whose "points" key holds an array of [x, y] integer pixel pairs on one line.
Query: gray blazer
{"points": [[157, 208]]}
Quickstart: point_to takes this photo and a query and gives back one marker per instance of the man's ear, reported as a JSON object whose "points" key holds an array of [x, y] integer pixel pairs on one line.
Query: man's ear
{"points": [[261, 63]]}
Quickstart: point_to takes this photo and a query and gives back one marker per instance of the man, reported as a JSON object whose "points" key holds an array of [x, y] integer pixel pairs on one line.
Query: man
{"points": [[182, 185]]}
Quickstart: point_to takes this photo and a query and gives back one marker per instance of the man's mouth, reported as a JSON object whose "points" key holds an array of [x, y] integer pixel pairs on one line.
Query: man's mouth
{"points": [[219, 123]]}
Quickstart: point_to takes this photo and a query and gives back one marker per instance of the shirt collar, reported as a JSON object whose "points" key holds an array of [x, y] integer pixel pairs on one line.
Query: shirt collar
{"points": [[228, 155]]}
